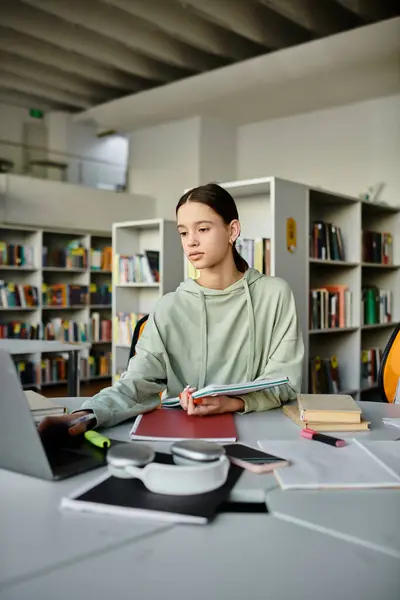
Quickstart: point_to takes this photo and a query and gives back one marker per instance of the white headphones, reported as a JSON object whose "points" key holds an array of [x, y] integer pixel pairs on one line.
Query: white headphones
{"points": [[200, 467]]}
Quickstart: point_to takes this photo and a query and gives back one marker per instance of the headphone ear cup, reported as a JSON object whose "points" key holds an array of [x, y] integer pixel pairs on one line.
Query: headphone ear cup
{"points": [[119, 472]]}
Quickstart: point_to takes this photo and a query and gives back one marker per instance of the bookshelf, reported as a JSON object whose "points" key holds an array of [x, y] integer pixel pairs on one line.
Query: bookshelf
{"points": [[137, 247], [36, 257], [265, 205]]}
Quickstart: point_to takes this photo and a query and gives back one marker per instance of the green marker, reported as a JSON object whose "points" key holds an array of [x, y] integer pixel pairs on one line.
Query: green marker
{"points": [[97, 439]]}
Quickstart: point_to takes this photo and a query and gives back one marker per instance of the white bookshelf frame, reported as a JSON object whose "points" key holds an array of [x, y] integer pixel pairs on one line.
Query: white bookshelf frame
{"points": [[37, 275], [264, 205], [130, 238]]}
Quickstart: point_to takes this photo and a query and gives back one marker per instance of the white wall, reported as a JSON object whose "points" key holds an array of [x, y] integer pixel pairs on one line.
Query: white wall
{"points": [[91, 160], [167, 159], [163, 161], [343, 149]]}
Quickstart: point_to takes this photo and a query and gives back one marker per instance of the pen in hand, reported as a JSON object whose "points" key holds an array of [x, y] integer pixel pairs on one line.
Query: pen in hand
{"points": [[82, 419]]}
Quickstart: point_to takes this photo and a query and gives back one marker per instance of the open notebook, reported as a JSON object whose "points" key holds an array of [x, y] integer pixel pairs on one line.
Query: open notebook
{"points": [[318, 466], [232, 389]]}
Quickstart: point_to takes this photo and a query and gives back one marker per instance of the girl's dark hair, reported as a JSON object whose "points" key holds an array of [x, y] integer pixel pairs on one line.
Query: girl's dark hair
{"points": [[217, 198]]}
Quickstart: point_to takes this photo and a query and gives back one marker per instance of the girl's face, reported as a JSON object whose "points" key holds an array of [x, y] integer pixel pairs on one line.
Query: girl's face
{"points": [[206, 240]]}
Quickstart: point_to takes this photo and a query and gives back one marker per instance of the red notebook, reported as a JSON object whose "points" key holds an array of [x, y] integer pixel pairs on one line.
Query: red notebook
{"points": [[171, 425]]}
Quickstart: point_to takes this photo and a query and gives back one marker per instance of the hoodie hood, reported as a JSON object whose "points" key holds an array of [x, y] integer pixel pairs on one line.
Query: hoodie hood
{"points": [[242, 286]]}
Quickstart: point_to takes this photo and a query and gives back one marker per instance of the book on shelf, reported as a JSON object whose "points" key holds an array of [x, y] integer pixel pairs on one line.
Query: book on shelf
{"points": [[20, 331], [330, 307], [371, 360], [100, 329], [17, 295], [100, 294], [62, 330], [125, 324], [324, 375], [54, 369], [29, 372], [98, 364], [256, 252], [376, 305], [326, 241], [16, 255], [377, 247], [139, 268], [101, 259], [64, 294], [72, 256]]}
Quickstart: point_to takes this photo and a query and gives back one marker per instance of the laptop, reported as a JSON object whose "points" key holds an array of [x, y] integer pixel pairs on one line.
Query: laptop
{"points": [[24, 450]]}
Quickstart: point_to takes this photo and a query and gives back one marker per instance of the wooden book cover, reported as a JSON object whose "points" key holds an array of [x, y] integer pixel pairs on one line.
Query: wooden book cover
{"points": [[292, 411], [172, 424], [328, 408]]}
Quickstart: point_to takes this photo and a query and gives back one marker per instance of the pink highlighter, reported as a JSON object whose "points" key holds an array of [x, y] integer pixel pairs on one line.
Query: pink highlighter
{"points": [[310, 434]]}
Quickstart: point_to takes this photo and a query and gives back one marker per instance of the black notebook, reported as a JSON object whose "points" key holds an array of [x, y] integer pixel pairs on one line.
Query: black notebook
{"points": [[129, 497]]}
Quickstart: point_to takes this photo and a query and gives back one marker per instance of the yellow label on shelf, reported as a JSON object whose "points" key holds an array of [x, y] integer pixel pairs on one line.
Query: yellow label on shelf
{"points": [[291, 235], [317, 363], [334, 362], [93, 287], [364, 356]]}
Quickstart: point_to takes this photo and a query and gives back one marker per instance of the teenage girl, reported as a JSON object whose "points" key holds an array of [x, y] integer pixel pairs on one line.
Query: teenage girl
{"points": [[231, 325]]}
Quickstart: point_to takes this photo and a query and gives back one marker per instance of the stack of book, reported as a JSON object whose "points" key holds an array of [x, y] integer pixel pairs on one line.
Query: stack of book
{"points": [[326, 242], [377, 247], [330, 307], [326, 412]]}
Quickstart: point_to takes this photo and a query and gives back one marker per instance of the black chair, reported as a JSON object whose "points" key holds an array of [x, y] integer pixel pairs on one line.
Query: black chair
{"points": [[140, 325]]}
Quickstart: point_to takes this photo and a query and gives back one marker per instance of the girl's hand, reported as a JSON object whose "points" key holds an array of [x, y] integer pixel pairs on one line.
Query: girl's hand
{"points": [[210, 405]]}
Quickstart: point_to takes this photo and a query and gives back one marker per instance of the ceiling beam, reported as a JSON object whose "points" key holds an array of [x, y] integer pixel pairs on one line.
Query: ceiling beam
{"points": [[58, 32], [27, 86], [250, 20], [182, 24], [133, 32], [322, 16], [31, 69], [372, 10], [47, 54], [14, 98]]}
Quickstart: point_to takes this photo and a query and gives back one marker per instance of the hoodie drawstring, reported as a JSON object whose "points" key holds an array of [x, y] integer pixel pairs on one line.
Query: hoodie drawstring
{"points": [[203, 326], [250, 316]]}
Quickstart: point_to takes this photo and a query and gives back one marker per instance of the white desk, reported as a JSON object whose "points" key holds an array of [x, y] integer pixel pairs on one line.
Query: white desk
{"points": [[237, 556], [20, 347]]}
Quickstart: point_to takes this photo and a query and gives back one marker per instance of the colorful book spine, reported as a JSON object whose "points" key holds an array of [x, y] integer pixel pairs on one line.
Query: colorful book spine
{"points": [[326, 241]]}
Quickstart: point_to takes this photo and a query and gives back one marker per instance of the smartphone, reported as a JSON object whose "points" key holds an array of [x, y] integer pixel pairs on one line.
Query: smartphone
{"points": [[252, 459]]}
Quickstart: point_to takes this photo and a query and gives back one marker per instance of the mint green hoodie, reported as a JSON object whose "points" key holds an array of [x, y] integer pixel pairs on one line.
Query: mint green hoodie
{"points": [[199, 336]]}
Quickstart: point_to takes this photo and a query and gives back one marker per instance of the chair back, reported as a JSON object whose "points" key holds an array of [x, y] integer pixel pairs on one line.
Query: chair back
{"points": [[389, 372], [140, 325]]}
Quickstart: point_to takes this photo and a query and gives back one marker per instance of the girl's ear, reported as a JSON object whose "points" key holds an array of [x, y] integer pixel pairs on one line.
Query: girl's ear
{"points": [[234, 231]]}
